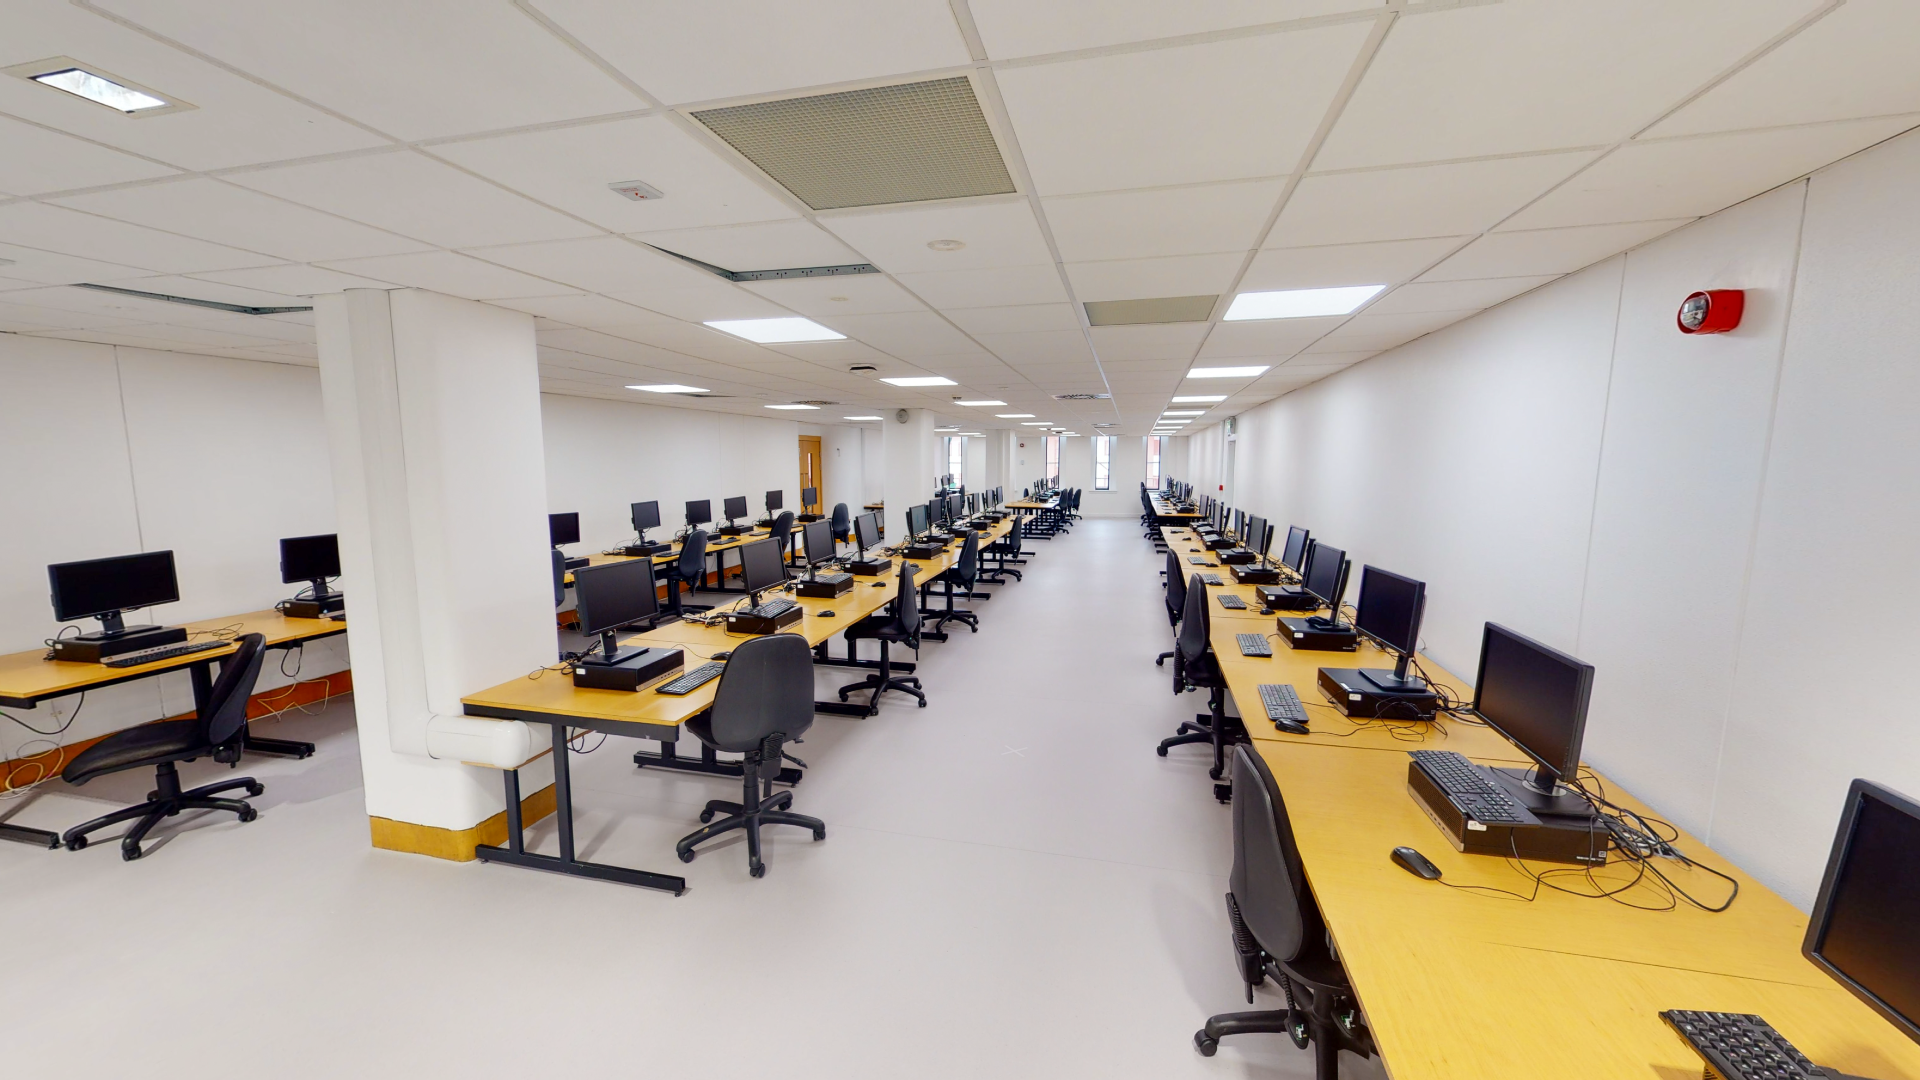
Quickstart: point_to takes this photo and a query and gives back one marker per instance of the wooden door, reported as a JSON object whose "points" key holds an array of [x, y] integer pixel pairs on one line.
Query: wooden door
{"points": [[810, 474]]}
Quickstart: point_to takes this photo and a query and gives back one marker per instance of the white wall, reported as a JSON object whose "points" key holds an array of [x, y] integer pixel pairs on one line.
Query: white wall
{"points": [[1717, 523]]}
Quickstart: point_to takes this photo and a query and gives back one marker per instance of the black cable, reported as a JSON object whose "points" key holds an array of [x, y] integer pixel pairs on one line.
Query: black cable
{"points": [[62, 729]]}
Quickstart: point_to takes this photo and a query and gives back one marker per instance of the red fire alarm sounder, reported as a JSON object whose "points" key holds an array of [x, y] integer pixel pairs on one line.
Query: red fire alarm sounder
{"points": [[1715, 311]]}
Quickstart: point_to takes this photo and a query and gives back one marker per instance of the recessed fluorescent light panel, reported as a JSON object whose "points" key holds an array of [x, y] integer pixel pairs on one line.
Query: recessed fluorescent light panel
{"points": [[1012, 416], [1300, 303], [1183, 412], [1225, 372], [82, 81], [1196, 399], [1038, 423], [671, 388], [975, 403], [921, 380], [859, 418], [793, 406], [776, 331]]}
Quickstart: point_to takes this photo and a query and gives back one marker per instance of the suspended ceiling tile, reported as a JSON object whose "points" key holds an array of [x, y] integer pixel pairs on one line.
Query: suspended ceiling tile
{"points": [[1333, 358], [1454, 295], [176, 285], [600, 264], [1698, 176], [409, 194], [452, 274], [995, 233], [1141, 279], [1004, 287], [771, 245], [1424, 201], [1014, 319], [1265, 338], [1180, 115], [294, 280], [1529, 75], [701, 52], [38, 161], [1546, 251], [25, 314], [1385, 263], [906, 334], [1363, 332], [825, 298], [593, 312], [26, 267], [1023, 350], [1168, 221], [70, 232], [1012, 28], [225, 214], [420, 69], [702, 299], [1153, 342], [695, 340]]}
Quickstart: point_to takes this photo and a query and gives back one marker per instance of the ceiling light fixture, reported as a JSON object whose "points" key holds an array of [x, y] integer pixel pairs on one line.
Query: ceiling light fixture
{"points": [[1300, 303], [1184, 412], [1012, 415], [793, 406], [859, 418], [671, 388], [946, 245], [70, 76], [1038, 423], [1199, 398], [972, 404], [776, 331], [956, 427], [921, 380], [1226, 372]]}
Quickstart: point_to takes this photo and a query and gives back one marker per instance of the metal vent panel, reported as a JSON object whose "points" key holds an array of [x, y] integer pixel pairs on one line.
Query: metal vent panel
{"points": [[1160, 309], [1081, 397], [912, 142]]}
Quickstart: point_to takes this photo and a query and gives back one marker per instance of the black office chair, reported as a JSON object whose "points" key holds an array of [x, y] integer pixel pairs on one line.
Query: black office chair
{"points": [[900, 624], [1005, 554], [842, 524], [1176, 605], [958, 580], [217, 734], [1279, 933], [1196, 668], [690, 566], [764, 701], [782, 532]]}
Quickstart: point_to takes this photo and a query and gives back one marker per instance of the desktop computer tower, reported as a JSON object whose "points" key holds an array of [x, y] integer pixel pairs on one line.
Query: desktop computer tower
{"points": [[1560, 840], [641, 669], [741, 622], [1350, 691], [314, 607], [1306, 637], [1237, 556], [1255, 575], [1286, 599], [93, 648], [870, 567], [639, 551], [924, 551], [825, 586]]}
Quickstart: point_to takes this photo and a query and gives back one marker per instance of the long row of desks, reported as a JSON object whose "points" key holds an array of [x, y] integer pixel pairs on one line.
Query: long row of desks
{"points": [[1459, 982], [549, 697]]}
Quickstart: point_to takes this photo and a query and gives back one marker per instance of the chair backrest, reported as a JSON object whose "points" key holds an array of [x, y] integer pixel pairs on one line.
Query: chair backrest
{"points": [[906, 605], [969, 565], [559, 578], [1192, 642], [1268, 882], [782, 527], [766, 688], [692, 564], [227, 705], [1176, 590], [842, 521]]}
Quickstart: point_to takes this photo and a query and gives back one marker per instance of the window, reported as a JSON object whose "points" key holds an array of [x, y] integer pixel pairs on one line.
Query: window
{"points": [[1153, 462], [1102, 462], [1053, 458], [957, 459]]}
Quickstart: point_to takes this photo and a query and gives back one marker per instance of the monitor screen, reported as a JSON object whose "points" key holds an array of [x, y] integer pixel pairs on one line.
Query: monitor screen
{"points": [[776, 500], [646, 515], [1256, 531], [1534, 695], [699, 511], [809, 496], [1296, 548], [614, 594], [104, 586], [818, 537], [1326, 576], [936, 509], [762, 566], [866, 530], [563, 528], [1389, 609], [917, 522], [954, 507], [1862, 932], [309, 558], [736, 507]]}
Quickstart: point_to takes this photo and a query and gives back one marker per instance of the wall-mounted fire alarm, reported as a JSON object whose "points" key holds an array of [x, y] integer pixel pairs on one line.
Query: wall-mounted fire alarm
{"points": [[1715, 311]]}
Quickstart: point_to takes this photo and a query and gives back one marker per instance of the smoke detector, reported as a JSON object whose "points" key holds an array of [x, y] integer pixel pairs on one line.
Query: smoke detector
{"points": [[637, 190]]}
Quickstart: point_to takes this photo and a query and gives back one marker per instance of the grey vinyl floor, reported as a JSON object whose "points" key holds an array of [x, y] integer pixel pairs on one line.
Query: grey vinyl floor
{"points": [[1013, 885]]}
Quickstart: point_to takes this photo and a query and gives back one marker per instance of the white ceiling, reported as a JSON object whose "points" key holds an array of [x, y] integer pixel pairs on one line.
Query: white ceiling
{"points": [[1460, 152]]}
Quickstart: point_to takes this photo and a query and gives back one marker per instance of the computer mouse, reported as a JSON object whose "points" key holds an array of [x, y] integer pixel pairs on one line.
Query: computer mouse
{"points": [[826, 614], [721, 655], [879, 584], [1266, 611], [1416, 864], [1291, 727]]}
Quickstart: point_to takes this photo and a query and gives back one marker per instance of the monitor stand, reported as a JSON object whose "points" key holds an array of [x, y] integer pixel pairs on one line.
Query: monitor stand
{"points": [[1529, 788]]}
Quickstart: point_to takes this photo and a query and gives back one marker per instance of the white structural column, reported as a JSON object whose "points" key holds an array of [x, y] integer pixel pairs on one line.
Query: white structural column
{"points": [[910, 450], [433, 427]]}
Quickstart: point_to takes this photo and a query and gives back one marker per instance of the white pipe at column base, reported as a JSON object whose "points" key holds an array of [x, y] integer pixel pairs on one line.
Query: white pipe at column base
{"points": [[496, 744]]}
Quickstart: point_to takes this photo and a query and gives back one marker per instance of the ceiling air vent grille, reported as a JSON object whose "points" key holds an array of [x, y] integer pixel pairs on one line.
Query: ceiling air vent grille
{"points": [[816, 404], [1161, 309], [911, 142], [1081, 397]]}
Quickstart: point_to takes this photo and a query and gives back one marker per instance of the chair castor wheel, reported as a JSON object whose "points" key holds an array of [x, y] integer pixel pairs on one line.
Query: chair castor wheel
{"points": [[686, 856], [130, 852], [1161, 750], [923, 703], [706, 816], [819, 834], [249, 814], [1160, 661], [1214, 773], [1223, 792], [843, 695], [76, 843], [254, 791], [1205, 1045], [758, 870]]}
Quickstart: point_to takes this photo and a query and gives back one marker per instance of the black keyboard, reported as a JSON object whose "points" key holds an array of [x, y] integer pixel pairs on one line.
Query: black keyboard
{"points": [[1282, 702], [770, 608], [692, 680], [164, 652], [1211, 579], [1228, 600], [1469, 789], [1741, 1046], [1254, 644], [1198, 560]]}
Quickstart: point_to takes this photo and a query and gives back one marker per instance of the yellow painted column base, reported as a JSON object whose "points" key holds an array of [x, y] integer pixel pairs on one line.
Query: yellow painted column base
{"points": [[457, 844]]}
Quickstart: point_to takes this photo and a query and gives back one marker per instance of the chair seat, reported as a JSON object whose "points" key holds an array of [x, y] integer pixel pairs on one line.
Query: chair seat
{"points": [[1206, 672], [702, 728], [877, 626], [148, 744]]}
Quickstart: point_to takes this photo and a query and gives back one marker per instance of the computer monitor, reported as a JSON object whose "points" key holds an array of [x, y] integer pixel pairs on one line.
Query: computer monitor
{"points": [[613, 595], [735, 507], [699, 512], [309, 558], [104, 588], [1326, 580], [1296, 549], [1255, 533], [1535, 696], [937, 511], [866, 531], [1862, 932], [1389, 611], [776, 501], [646, 515], [956, 507], [918, 521], [808, 497], [563, 529], [1239, 523], [762, 566], [817, 536]]}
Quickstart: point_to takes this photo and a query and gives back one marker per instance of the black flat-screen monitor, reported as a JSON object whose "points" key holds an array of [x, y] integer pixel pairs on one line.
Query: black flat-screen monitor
{"points": [[1862, 932], [563, 529], [1536, 696], [309, 558], [955, 507], [809, 496], [776, 500], [646, 515], [1389, 608], [918, 521], [1254, 531], [109, 586], [699, 512], [866, 530], [762, 566], [1296, 548], [1326, 576], [614, 594], [817, 536], [735, 507], [936, 510]]}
